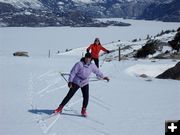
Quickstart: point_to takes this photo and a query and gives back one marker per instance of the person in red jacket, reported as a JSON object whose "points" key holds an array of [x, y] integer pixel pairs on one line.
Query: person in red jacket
{"points": [[95, 48]]}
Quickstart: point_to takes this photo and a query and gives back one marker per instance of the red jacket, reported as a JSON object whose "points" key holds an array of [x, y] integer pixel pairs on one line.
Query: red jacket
{"points": [[95, 49]]}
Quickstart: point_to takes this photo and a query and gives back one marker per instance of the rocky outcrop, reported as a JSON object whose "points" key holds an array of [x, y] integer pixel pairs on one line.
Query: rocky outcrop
{"points": [[168, 55], [175, 43], [21, 53], [150, 47], [171, 73]]}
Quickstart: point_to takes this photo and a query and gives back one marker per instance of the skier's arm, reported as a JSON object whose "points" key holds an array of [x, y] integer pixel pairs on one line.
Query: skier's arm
{"points": [[87, 50], [98, 73], [104, 49]]}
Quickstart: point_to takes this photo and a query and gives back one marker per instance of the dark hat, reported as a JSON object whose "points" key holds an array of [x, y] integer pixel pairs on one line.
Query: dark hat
{"points": [[96, 39], [88, 55]]}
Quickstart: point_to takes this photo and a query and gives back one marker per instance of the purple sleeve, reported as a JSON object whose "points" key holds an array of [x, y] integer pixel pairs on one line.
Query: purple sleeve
{"points": [[96, 71], [73, 72]]}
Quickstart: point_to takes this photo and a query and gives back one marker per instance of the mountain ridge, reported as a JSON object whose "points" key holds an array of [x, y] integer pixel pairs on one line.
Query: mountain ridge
{"points": [[79, 13]]}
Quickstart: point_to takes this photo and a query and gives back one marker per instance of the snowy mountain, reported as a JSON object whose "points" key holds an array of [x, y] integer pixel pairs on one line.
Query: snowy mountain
{"points": [[169, 11], [72, 12], [47, 13], [24, 3]]}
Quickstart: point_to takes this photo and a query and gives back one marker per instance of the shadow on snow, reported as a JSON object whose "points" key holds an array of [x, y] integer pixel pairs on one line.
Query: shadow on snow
{"points": [[50, 112]]}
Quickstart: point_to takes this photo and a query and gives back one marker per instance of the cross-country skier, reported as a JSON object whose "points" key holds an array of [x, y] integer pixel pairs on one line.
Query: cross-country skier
{"points": [[95, 48], [79, 78]]}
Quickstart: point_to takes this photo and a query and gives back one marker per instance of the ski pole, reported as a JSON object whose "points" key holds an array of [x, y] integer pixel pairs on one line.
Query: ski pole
{"points": [[62, 74], [103, 60], [66, 81], [65, 73], [63, 77]]}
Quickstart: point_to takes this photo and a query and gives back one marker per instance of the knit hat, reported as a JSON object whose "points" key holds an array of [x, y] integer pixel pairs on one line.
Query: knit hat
{"points": [[96, 39], [88, 55]]}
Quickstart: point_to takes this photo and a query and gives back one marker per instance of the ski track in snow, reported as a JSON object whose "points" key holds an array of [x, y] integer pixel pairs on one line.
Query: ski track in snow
{"points": [[47, 87], [46, 130], [42, 120], [89, 127], [49, 73]]}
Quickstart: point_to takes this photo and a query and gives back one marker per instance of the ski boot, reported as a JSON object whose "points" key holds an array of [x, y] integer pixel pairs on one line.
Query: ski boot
{"points": [[83, 112], [59, 109]]}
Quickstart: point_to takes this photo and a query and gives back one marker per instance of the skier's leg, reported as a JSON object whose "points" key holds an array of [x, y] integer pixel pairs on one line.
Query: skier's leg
{"points": [[85, 93], [96, 61], [69, 95]]}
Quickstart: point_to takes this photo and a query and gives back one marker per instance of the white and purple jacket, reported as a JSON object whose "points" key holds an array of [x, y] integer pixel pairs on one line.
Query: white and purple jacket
{"points": [[80, 73]]}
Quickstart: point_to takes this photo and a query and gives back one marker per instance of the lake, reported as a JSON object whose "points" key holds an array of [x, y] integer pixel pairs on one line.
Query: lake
{"points": [[40, 40]]}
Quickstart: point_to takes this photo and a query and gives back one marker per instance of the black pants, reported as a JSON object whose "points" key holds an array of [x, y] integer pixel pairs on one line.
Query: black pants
{"points": [[72, 91], [96, 61]]}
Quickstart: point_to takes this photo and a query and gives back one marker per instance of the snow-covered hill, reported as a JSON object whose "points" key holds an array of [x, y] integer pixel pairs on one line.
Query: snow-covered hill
{"points": [[128, 47], [32, 88]]}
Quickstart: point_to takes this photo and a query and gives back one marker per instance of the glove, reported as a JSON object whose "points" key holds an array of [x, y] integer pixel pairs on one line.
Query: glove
{"points": [[108, 51], [106, 78], [70, 85], [87, 51]]}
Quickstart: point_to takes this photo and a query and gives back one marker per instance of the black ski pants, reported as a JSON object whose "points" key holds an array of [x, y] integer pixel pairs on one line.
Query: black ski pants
{"points": [[72, 91], [96, 61]]}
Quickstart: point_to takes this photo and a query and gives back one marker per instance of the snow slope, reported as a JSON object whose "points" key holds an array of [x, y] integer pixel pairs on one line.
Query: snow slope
{"points": [[31, 88]]}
